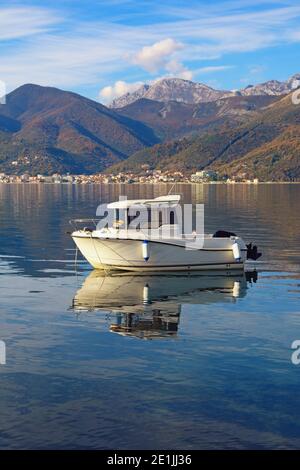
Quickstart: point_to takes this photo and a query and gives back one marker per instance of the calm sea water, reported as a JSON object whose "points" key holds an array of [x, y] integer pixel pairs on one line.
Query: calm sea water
{"points": [[156, 362]]}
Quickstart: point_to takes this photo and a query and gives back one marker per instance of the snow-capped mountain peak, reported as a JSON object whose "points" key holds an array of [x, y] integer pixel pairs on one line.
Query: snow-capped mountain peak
{"points": [[172, 89], [186, 91]]}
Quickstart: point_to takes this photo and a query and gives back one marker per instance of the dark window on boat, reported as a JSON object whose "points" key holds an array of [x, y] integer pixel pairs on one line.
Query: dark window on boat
{"points": [[160, 218], [130, 219], [172, 218]]}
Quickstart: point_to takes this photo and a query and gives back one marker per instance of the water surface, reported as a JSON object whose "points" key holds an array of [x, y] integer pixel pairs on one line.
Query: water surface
{"points": [[155, 362]]}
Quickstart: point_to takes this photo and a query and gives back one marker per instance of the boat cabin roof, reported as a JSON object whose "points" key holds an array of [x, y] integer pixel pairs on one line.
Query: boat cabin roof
{"points": [[161, 201]]}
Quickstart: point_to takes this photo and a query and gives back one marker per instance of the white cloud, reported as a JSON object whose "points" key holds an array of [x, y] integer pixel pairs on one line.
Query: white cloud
{"points": [[19, 22], [108, 93], [177, 69], [155, 57], [160, 56], [62, 61], [257, 69], [81, 53], [213, 69]]}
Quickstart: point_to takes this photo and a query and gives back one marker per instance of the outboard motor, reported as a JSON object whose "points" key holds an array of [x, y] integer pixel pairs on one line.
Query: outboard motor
{"points": [[252, 252]]}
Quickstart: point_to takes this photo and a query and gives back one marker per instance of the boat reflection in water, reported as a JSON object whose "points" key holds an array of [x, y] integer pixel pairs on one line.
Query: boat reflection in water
{"points": [[149, 307]]}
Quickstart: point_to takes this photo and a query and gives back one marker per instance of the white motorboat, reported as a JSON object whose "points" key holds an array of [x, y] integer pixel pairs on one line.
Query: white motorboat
{"points": [[146, 235]]}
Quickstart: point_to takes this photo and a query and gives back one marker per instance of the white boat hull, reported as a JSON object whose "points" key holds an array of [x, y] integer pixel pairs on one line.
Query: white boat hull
{"points": [[127, 254]]}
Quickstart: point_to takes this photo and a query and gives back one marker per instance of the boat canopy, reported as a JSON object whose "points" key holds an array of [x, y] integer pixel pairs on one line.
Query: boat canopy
{"points": [[161, 201]]}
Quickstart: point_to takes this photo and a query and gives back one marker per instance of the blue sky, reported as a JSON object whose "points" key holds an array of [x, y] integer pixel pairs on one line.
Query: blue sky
{"points": [[102, 48]]}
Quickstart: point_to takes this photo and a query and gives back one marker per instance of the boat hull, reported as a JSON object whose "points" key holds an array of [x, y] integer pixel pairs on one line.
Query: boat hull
{"points": [[127, 254]]}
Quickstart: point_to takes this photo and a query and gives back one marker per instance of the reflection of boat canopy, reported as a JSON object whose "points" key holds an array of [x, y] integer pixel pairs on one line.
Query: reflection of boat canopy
{"points": [[151, 325], [165, 201]]}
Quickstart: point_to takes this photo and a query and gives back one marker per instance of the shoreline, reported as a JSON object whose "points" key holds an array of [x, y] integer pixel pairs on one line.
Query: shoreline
{"points": [[219, 183]]}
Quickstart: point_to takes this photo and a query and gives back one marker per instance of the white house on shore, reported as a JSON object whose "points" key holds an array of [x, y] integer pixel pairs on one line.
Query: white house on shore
{"points": [[204, 176]]}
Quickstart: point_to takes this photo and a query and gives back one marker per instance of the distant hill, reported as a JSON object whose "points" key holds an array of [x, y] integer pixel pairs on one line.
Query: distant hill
{"points": [[45, 130], [276, 153], [173, 119], [267, 146]]}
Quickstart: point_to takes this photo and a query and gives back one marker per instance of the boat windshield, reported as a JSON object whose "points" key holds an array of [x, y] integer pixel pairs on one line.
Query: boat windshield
{"points": [[148, 217]]}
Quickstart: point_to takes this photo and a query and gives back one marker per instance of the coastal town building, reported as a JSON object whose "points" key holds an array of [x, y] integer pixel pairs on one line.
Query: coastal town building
{"points": [[204, 176]]}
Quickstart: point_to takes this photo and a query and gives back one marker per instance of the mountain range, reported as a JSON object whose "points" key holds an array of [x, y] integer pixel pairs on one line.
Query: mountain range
{"points": [[171, 124], [265, 144], [186, 91], [174, 119]]}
